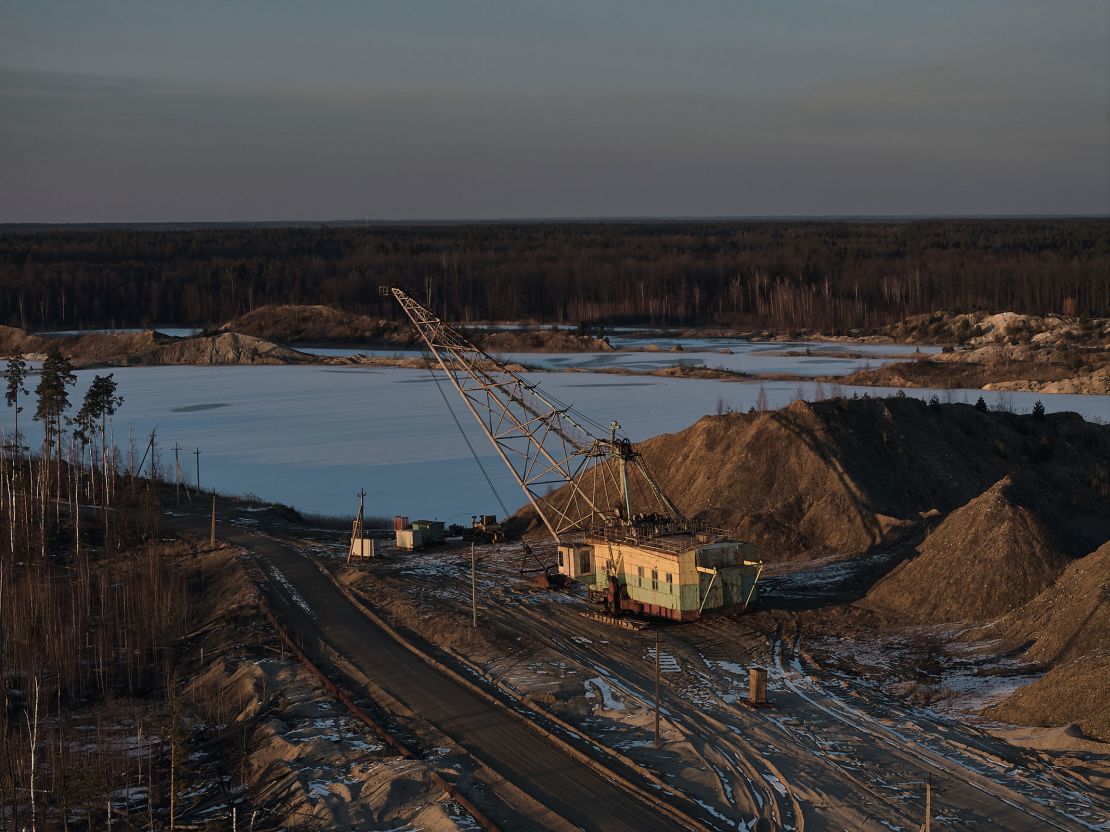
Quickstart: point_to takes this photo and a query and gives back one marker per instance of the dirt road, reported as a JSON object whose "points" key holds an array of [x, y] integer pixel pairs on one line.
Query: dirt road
{"points": [[834, 754], [312, 608]]}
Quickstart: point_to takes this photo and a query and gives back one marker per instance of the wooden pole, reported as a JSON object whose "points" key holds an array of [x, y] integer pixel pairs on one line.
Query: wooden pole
{"points": [[473, 590], [177, 473], [153, 452], [657, 690], [928, 825], [196, 452], [212, 536]]}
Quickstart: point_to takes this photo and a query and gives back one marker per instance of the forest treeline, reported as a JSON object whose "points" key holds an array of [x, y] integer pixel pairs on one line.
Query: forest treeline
{"points": [[833, 275]]}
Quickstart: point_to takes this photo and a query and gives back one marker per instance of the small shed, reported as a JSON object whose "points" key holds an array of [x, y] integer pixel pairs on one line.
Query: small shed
{"points": [[410, 539], [362, 548], [431, 530]]}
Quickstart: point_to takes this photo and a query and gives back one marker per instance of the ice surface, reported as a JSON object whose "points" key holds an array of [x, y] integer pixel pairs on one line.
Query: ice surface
{"points": [[312, 436], [734, 354], [173, 331]]}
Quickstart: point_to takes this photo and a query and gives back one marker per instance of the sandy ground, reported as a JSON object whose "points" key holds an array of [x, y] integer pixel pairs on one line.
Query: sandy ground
{"points": [[270, 748], [858, 726]]}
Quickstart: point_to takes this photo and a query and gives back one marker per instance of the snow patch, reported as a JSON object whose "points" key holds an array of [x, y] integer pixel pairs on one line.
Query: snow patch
{"points": [[294, 596], [609, 700]]}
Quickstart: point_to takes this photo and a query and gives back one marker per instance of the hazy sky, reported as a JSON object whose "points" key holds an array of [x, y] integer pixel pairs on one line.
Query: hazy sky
{"points": [[197, 110]]}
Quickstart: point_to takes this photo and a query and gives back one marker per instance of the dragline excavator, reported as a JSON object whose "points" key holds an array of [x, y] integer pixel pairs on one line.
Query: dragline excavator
{"points": [[616, 530]]}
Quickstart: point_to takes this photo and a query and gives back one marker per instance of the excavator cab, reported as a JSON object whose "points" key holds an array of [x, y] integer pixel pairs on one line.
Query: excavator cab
{"points": [[576, 561]]}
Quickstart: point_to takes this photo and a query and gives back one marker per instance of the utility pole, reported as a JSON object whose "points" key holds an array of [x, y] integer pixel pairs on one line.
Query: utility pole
{"points": [[927, 826], [196, 453], [656, 690], [212, 536], [473, 590], [177, 473], [357, 538], [150, 449]]}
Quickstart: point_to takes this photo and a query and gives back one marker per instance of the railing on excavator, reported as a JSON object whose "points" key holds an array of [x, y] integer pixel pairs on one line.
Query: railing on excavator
{"points": [[667, 536]]}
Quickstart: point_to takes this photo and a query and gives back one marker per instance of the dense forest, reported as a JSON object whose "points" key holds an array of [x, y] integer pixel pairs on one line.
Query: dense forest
{"points": [[834, 275]]}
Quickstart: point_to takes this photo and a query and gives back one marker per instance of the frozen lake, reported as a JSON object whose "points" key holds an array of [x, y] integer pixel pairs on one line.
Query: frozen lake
{"points": [[312, 436], [646, 353], [734, 354], [172, 331]]}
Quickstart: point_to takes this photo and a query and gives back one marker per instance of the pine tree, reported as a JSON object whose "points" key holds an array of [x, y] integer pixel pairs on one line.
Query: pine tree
{"points": [[100, 402], [17, 375], [1038, 410], [53, 397]]}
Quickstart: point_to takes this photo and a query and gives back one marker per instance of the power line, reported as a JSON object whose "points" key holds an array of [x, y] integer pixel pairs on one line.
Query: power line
{"points": [[458, 424]]}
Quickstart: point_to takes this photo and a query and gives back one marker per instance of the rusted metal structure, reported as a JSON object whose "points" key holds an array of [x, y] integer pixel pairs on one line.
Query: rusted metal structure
{"points": [[617, 531]]}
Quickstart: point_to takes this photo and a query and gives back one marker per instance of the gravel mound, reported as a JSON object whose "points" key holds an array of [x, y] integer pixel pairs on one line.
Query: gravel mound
{"points": [[984, 560], [1067, 627], [148, 348], [302, 324], [839, 477], [222, 349], [1069, 619], [540, 340], [1072, 692]]}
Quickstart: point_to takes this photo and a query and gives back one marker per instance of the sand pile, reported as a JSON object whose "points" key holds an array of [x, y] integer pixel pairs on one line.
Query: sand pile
{"points": [[986, 559], [839, 477], [226, 348], [151, 348], [110, 347], [303, 324], [88, 348], [1068, 737], [1067, 626], [979, 329], [1095, 383], [540, 340], [16, 340], [1072, 692], [1004, 351], [1069, 619]]}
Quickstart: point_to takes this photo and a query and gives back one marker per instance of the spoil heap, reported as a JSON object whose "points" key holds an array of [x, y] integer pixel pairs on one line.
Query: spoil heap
{"points": [[305, 324], [986, 559], [16, 340], [1069, 619], [540, 340], [225, 348], [1072, 693], [1067, 626], [841, 476]]}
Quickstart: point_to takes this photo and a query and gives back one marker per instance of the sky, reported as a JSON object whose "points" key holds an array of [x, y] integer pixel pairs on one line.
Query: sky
{"points": [[263, 110]]}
